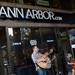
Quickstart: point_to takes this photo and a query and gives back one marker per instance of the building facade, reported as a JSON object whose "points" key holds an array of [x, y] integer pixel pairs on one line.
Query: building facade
{"points": [[25, 21]]}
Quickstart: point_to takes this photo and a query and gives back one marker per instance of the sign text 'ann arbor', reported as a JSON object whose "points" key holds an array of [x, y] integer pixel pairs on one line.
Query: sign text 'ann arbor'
{"points": [[22, 13]]}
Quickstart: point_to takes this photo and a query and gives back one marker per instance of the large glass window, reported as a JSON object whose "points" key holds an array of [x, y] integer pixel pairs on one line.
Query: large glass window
{"points": [[21, 47], [16, 48], [23, 36]]}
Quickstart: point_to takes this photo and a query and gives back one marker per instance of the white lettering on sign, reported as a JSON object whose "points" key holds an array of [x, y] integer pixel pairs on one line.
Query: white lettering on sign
{"points": [[39, 14], [35, 14], [20, 12], [3, 12], [10, 12], [29, 14]]}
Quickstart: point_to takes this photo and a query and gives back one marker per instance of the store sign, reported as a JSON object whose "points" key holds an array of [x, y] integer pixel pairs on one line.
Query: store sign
{"points": [[27, 14]]}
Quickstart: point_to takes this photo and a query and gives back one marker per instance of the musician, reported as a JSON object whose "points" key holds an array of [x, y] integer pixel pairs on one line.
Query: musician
{"points": [[42, 60]]}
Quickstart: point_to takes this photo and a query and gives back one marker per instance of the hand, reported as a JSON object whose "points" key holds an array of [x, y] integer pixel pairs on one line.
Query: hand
{"points": [[35, 48], [51, 51]]}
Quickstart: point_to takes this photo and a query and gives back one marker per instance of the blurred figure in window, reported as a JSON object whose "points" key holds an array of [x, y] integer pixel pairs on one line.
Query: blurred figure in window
{"points": [[68, 66], [42, 60]]}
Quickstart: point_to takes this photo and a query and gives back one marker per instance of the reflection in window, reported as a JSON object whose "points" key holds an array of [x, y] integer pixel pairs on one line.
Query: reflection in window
{"points": [[35, 34], [71, 33], [22, 42]]}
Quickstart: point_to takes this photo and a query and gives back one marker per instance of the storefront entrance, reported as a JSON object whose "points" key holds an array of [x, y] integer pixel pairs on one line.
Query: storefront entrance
{"points": [[16, 49]]}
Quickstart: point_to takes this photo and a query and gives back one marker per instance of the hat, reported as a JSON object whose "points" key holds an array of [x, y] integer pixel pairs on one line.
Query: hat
{"points": [[42, 45]]}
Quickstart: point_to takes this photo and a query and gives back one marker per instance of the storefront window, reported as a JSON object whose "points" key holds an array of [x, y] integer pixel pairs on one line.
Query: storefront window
{"points": [[21, 43], [17, 43]]}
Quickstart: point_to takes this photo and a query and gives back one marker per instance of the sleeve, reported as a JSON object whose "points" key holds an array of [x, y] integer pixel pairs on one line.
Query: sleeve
{"points": [[34, 57]]}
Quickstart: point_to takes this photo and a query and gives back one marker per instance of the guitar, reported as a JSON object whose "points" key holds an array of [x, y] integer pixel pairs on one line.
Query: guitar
{"points": [[44, 61]]}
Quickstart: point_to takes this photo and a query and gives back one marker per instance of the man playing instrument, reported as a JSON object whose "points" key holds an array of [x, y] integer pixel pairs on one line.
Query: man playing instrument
{"points": [[42, 60]]}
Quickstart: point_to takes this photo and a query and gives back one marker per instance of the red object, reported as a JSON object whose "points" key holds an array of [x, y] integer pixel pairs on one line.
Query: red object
{"points": [[72, 62]]}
